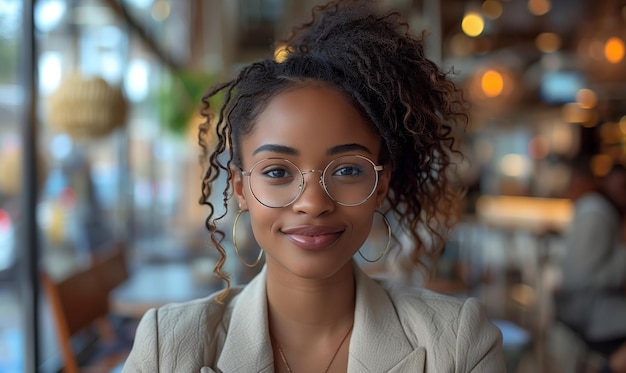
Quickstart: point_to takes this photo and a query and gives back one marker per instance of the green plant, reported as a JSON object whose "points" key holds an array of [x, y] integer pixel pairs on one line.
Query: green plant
{"points": [[180, 99]]}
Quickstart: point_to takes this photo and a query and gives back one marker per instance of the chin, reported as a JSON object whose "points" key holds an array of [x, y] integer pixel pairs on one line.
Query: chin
{"points": [[314, 270]]}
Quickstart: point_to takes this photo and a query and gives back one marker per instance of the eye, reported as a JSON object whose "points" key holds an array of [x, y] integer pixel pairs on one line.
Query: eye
{"points": [[348, 170], [276, 172]]}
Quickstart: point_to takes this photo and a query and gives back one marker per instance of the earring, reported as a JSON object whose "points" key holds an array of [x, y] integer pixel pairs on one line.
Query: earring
{"points": [[388, 240], [258, 259]]}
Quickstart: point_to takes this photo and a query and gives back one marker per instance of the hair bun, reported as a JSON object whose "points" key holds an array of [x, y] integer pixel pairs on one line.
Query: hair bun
{"points": [[353, 30]]}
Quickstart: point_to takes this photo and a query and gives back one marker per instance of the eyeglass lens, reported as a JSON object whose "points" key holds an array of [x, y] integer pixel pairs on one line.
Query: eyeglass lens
{"points": [[348, 180]]}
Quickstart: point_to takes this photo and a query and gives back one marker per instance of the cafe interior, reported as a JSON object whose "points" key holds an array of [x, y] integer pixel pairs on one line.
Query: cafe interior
{"points": [[100, 179]]}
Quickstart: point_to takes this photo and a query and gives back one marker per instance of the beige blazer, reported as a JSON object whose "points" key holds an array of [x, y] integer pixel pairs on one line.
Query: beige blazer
{"points": [[396, 329]]}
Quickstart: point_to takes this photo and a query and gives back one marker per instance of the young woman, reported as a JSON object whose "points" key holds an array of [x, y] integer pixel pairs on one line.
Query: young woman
{"points": [[355, 121]]}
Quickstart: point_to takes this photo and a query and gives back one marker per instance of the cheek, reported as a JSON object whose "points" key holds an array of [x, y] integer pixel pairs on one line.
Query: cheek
{"points": [[361, 227], [261, 221]]}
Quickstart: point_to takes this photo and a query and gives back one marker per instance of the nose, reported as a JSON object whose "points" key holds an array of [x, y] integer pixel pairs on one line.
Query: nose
{"points": [[314, 200]]}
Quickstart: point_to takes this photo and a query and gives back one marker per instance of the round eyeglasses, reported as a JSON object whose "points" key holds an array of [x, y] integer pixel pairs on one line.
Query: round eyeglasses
{"points": [[349, 180]]}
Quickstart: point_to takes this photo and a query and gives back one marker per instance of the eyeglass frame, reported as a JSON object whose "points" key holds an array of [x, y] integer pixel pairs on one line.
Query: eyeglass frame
{"points": [[377, 169]]}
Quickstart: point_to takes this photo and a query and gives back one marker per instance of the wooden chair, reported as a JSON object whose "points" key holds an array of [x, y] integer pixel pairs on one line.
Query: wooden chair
{"points": [[79, 305], [111, 267]]}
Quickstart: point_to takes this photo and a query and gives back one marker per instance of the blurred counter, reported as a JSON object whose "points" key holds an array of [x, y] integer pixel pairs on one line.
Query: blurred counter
{"points": [[537, 215]]}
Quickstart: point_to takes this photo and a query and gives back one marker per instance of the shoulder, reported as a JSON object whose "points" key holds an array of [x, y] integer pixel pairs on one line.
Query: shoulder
{"points": [[435, 308], [594, 208], [424, 311], [442, 322], [198, 314], [181, 334], [593, 202]]}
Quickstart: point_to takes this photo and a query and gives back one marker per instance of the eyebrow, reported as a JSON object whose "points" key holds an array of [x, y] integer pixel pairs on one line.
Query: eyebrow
{"points": [[275, 148], [287, 150], [347, 148]]}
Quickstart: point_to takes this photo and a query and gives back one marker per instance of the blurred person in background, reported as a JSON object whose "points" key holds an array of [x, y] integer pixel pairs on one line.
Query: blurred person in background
{"points": [[592, 298], [355, 121]]}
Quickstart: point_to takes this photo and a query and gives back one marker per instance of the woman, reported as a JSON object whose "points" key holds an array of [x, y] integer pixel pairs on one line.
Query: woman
{"points": [[355, 121], [591, 299]]}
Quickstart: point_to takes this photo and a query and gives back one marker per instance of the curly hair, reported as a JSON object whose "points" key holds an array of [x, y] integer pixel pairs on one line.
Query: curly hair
{"points": [[381, 68]]}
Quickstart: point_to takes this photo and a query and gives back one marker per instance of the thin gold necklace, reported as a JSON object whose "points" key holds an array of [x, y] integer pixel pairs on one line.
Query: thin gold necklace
{"points": [[284, 359]]}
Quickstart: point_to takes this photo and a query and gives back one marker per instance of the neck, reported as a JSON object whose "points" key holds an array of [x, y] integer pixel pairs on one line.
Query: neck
{"points": [[320, 306]]}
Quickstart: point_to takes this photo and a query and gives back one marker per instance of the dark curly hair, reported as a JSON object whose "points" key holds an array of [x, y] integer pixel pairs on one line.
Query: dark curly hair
{"points": [[372, 58]]}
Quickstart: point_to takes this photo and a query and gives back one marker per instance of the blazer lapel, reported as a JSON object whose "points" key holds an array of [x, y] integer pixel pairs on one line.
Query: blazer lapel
{"points": [[247, 347], [378, 342], [414, 362]]}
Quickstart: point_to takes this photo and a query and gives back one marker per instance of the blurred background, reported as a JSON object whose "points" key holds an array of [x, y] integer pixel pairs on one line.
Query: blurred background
{"points": [[98, 116]]}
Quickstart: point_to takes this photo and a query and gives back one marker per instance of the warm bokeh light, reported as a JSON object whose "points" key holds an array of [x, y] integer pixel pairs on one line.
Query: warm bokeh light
{"points": [[602, 53], [539, 7], [494, 87], [280, 53], [531, 212], [548, 42], [586, 98], [601, 164], [514, 165], [614, 50], [574, 113], [492, 83], [562, 138], [472, 24], [492, 9]]}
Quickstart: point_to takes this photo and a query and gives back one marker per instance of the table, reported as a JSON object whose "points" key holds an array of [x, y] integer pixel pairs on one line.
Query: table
{"points": [[153, 285]]}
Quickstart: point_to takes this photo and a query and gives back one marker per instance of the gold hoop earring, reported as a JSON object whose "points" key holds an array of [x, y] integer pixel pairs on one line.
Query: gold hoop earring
{"points": [[388, 241], [258, 259]]}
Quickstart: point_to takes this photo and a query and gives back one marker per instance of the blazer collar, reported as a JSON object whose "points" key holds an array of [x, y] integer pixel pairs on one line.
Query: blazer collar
{"points": [[247, 347], [378, 342]]}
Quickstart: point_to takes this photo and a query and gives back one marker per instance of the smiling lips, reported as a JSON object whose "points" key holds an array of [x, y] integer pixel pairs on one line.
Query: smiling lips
{"points": [[313, 237]]}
